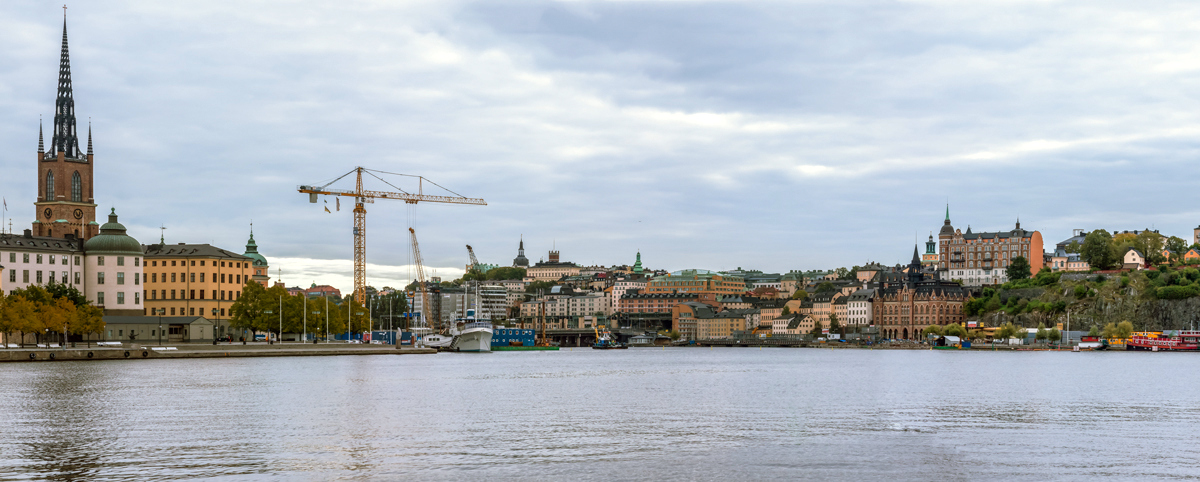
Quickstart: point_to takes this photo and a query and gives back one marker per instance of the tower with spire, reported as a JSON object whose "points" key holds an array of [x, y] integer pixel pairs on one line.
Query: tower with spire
{"points": [[637, 265], [65, 205], [521, 261], [262, 270]]}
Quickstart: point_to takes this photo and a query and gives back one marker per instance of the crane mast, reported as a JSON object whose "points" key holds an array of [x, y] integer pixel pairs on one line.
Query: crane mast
{"points": [[420, 279], [474, 262], [361, 197]]}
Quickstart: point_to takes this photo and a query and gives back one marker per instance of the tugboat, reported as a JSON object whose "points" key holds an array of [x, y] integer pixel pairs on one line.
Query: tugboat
{"points": [[605, 341]]}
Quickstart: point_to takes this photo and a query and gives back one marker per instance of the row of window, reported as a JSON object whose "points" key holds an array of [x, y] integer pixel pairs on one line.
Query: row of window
{"points": [[191, 277], [12, 276], [120, 278], [52, 259], [76, 187], [189, 311], [232, 264], [137, 298], [191, 295]]}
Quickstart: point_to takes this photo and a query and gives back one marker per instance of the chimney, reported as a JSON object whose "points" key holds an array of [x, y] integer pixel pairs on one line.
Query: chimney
{"points": [[29, 233]]}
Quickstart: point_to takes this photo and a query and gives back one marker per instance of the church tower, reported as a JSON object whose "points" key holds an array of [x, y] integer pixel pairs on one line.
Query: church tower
{"points": [[65, 204]]}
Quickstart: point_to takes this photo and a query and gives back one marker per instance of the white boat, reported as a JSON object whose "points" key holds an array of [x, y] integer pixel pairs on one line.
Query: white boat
{"points": [[473, 336], [435, 340]]}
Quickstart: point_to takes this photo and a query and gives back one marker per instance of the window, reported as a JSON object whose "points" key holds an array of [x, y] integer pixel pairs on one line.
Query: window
{"points": [[120, 297], [77, 277], [201, 276], [39, 259], [49, 185], [120, 279], [192, 311], [172, 311], [99, 260], [172, 263], [193, 263], [153, 295], [192, 295], [12, 276], [137, 298], [25, 258], [193, 277], [137, 278], [64, 277], [154, 263], [51, 259], [222, 277], [172, 294], [137, 261], [172, 277], [77, 261], [201, 262], [153, 277], [100, 278], [12, 257], [100, 298], [76, 188], [120, 261]]}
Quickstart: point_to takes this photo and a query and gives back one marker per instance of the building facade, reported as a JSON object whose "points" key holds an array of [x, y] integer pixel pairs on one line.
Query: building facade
{"points": [[194, 280], [903, 311], [982, 258]]}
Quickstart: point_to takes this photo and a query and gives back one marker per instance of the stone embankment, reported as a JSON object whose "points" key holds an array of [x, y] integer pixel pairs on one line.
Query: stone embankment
{"points": [[132, 351]]}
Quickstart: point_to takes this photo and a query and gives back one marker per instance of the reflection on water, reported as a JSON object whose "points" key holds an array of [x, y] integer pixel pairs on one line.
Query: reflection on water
{"points": [[671, 414]]}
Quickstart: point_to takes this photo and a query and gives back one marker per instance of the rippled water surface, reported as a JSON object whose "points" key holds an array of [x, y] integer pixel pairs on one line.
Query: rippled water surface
{"points": [[673, 414]]}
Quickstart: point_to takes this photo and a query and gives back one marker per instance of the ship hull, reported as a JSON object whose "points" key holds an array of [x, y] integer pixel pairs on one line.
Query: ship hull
{"points": [[473, 340]]}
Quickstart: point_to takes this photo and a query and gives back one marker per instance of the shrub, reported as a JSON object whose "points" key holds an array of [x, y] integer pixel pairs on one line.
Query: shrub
{"points": [[1081, 291], [1176, 292]]}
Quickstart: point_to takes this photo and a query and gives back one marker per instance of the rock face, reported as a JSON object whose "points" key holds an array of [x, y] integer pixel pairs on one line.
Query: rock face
{"points": [[1158, 315]]}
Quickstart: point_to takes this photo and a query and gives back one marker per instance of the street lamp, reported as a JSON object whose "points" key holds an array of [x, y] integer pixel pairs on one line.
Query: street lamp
{"points": [[161, 311], [216, 323], [270, 312], [318, 327]]}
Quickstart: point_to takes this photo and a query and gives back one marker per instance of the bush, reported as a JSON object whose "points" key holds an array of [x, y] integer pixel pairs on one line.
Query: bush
{"points": [[1176, 292], [1081, 291]]}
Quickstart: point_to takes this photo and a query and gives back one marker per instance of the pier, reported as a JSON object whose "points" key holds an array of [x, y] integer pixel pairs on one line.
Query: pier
{"points": [[145, 352]]}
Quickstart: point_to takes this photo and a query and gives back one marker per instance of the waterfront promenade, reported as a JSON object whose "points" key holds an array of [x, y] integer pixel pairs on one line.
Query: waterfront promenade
{"points": [[198, 350]]}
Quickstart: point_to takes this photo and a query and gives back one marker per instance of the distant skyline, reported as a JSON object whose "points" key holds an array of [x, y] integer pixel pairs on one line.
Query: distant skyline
{"points": [[714, 135]]}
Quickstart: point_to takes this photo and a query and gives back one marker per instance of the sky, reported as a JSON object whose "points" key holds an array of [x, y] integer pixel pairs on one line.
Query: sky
{"points": [[704, 134]]}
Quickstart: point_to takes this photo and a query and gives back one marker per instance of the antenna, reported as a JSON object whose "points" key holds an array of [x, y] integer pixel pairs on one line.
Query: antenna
{"points": [[162, 234]]}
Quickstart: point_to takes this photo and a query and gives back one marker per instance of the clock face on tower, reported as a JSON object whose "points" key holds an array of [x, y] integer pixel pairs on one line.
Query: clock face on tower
{"points": [[78, 214], [48, 213]]}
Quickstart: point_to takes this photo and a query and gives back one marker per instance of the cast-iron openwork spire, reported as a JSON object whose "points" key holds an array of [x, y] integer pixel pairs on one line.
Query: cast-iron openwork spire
{"points": [[41, 146], [89, 137], [65, 138]]}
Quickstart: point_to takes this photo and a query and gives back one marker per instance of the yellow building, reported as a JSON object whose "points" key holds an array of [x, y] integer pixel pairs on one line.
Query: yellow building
{"points": [[697, 281], [196, 280]]}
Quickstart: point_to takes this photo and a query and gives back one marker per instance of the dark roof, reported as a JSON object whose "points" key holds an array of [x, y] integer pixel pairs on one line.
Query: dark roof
{"points": [[152, 320], [39, 243], [795, 322], [862, 295], [652, 296], [191, 250]]}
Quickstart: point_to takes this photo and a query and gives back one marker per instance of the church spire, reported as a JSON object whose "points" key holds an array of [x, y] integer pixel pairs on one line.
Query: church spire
{"points": [[41, 146], [65, 138], [89, 138], [947, 213]]}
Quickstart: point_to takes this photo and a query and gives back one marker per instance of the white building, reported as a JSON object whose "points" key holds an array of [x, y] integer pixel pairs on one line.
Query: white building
{"points": [[858, 308]]}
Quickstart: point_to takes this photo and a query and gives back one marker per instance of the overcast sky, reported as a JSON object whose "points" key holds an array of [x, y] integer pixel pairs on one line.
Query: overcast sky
{"points": [[715, 135]]}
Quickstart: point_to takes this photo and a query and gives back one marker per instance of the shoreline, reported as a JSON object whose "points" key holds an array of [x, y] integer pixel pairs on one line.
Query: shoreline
{"points": [[181, 351]]}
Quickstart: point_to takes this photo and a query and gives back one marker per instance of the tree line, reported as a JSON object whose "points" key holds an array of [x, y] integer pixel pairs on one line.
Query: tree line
{"points": [[262, 310], [50, 312]]}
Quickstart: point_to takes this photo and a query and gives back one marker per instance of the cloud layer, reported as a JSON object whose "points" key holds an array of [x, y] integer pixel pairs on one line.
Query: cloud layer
{"points": [[713, 135]]}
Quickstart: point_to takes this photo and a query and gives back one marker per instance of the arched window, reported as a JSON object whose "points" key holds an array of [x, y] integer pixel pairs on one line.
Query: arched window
{"points": [[76, 188], [50, 185]]}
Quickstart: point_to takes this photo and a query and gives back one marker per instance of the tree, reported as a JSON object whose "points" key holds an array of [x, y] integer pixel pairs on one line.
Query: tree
{"points": [[955, 329], [1124, 329], [786, 311], [834, 326], [1041, 332], [800, 294], [826, 286], [1097, 249], [249, 313], [1151, 244], [931, 330], [1074, 247], [89, 320], [841, 272], [1178, 246], [543, 286], [1094, 331], [1018, 269], [977, 334], [1009, 330], [817, 329], [1054, 335]]}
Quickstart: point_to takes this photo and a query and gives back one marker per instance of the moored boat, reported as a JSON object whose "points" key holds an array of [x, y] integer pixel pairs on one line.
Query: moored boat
{"points": [[605, 341], [474, 336], [1165, 341]]}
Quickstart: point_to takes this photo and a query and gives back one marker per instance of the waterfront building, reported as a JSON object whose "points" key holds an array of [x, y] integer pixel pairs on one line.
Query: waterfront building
{"points": [[113, 270], [701, 321], [36, 260], [145, 329], [551, 270], [822, 306], [624, 285], [637, 302], [65, 204], [194, 280], [903, 311], [981, 258], [858, 308]]}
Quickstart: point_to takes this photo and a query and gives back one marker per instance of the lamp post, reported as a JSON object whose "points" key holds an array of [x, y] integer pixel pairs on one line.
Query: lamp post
{"points": [[326, 318], [269, 312], [316, 312], [160, 311], [216, 324]]}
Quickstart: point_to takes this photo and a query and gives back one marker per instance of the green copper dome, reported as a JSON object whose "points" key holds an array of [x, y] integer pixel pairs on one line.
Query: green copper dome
{"points": [[252, 252], [112, 239]]}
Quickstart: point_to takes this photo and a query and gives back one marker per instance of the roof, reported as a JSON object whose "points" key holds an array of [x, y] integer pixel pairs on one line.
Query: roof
{"points": [[184, 250], [112, 239], [154, 320], [796, 320], [862, 295], [39, 243]]}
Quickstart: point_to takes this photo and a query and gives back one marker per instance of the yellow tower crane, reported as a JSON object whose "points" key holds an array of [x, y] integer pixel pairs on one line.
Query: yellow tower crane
{"points": [[362, 196]]}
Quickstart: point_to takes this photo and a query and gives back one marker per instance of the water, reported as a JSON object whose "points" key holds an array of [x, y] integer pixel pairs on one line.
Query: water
{"points": [[674, 414]]}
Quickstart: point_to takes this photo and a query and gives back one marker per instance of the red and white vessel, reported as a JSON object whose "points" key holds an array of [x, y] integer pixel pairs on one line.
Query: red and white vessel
{"points": [[1165, 341]]}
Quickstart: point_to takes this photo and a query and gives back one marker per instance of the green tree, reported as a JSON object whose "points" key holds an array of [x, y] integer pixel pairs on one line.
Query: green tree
{"points": [[89, 320], [1018, 269], [1097, 249], [1041, 332], [1124, 329], [505, 273], [817, 330], [1053, 335], [1009, 330], [1109, 331], [1151, 245], [955, 329], [841, 272], [834, 326], [249, 313], [1178, 246], [800, 294], [543, 286], [786, 311], [1074, 247], [826, 286], [934, 330], [1094, 331]]}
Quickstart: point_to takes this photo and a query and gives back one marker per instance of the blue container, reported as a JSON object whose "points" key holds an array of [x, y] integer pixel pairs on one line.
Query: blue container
{"points": [[512, 337]]}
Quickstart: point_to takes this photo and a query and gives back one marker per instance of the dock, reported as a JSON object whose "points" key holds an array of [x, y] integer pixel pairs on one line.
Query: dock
{"points": [[137, 351]]}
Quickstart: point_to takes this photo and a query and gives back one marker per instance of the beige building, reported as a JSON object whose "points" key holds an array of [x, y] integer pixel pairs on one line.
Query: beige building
{"points": [[151, 329], [195, 280], [551, 270]]}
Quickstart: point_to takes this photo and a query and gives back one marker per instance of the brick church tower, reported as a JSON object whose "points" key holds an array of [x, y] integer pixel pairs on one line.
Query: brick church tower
{"points": [[65, 204]]}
